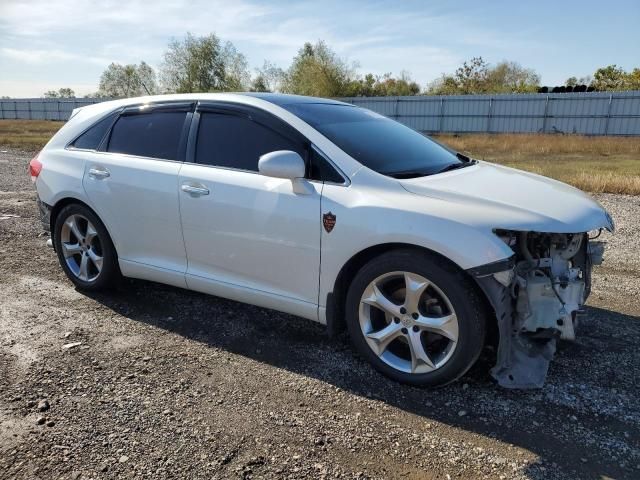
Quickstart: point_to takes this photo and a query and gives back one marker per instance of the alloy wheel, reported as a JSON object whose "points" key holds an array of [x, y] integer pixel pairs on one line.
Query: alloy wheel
{"points": [[81, 247], [408, 322]]}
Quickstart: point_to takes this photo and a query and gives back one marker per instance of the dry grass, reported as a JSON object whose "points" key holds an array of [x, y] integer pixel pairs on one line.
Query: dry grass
{"points": [[595, 164], [29, 135]]}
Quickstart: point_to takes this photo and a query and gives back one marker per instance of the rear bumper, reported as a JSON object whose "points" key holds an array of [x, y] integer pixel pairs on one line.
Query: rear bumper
{"points": [[44, 211]]}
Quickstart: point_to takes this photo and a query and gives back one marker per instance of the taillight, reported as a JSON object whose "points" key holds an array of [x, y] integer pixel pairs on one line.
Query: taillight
{"points": [[35, 167]]}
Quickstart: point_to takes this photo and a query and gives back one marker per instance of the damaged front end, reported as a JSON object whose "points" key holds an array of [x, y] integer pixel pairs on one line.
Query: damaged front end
{"points": [[537, 295]]}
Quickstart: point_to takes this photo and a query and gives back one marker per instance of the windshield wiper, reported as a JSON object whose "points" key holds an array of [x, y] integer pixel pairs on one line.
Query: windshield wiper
{"points": [[418, 173], [407, 174], [455, 166]]}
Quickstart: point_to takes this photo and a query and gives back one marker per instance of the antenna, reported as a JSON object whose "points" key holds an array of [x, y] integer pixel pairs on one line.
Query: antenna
{"points": [[145, 87]]}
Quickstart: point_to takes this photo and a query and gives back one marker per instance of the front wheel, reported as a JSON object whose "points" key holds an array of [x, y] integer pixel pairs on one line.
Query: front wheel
{"points": [[415, 318], [84, 248]]}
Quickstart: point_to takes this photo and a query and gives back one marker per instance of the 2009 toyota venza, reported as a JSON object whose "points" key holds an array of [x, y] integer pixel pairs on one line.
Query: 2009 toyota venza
{"points": [[327, 211]]}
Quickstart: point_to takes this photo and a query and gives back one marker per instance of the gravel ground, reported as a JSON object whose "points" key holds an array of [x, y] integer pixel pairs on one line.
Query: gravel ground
{"points": [[157, 382]]}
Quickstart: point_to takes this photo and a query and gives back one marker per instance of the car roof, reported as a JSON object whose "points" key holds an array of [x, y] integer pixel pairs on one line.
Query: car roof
{"points": [[278, 99], [287, 99]]}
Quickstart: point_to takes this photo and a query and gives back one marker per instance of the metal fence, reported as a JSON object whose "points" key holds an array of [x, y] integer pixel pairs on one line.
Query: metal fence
{"points": [[42, 108], [594, 113]]}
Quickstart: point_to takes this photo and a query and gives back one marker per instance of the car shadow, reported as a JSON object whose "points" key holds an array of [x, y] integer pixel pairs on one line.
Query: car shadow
{"points": [[525, 418]]}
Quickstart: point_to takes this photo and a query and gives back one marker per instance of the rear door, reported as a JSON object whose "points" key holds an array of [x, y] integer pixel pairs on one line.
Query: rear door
{"points": [[132, 184], [244, 231]]}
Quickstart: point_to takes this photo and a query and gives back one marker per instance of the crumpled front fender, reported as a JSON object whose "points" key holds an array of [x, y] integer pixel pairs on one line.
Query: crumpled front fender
{"points": [[522, 362]]}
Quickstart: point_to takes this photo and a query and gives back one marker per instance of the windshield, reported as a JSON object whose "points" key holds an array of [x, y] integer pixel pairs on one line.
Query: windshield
{"points": [[383, 145]]}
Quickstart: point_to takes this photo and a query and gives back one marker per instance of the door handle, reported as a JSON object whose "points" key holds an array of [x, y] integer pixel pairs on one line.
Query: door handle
{"points": [[99, 172], [194, 189]]}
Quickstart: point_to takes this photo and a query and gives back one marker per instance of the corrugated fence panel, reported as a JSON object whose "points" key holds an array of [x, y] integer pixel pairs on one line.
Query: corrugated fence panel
{"points": [[510, 114], [419, 114], [593, 113], [578, 114], [42, 108]]}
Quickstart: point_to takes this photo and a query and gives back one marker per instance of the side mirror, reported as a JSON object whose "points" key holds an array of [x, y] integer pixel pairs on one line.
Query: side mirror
{"points": [[285, 164]]}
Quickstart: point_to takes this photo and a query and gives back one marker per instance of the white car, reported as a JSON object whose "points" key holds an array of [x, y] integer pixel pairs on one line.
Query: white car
{"points": [[330, 212]]}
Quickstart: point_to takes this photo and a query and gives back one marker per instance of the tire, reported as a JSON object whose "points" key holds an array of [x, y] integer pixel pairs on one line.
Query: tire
{"points": [[80, 238], [449, 348]]}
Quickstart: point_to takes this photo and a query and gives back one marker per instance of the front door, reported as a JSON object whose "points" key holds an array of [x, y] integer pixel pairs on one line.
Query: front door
{"points": [[248, 236]]}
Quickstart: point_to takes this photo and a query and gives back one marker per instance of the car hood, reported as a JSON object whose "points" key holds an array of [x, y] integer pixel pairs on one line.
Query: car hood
{"points": [[495, 196]]}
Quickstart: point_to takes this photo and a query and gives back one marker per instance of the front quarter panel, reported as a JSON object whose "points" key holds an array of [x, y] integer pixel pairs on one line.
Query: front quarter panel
{"points": [[367, 217]]}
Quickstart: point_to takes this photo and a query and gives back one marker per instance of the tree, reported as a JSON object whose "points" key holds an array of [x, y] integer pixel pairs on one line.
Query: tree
{"points": [[445, 85], [269, 78], [571, 82], [317, 71], [471, 76], [574, 81], [633, 79], [98, 94], [259, 84], [127, 81], [613, 77], [511, 77], [203, 64], [61, 93], [476, 76], [382, 86]]}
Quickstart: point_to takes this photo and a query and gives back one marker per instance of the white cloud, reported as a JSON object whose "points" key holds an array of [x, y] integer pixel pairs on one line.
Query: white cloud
{"points": [[381, 37], [39, 57], [36, 88], [49, 16]]}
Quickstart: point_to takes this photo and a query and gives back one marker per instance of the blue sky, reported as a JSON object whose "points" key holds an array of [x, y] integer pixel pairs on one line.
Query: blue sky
{"points": [[48, 44]]}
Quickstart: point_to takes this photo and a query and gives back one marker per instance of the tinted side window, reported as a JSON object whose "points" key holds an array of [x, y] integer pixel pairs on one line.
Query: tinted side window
{"points": [[155, 134], [233, 141], [90, 140], [321, 169]]}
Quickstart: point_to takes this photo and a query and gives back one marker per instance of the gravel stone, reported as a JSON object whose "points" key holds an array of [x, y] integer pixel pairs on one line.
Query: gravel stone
{"points": [[303, 407]]}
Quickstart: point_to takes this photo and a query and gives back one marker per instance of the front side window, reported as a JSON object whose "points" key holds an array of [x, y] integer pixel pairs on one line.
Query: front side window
{"points": [[155, 134], [236, 141], [381, 144], [321, 169]]}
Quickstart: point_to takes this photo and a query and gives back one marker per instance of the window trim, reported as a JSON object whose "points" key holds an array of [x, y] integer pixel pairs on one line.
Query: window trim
{"points": [[70, 146], [346, 181], [148, 108], [268, 120], [189, 136]]}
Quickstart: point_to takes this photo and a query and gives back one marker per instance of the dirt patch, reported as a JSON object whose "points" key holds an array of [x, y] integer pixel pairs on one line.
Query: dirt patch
{"points": [[166, 383]]}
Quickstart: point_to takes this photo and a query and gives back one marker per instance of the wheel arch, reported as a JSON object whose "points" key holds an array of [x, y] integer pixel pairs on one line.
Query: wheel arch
{"points": [[335, 302], [63, 202]]}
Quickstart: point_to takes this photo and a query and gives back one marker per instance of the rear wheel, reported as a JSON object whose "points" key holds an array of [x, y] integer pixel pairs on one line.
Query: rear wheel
{"points": [[84, 248], [415, 318]]}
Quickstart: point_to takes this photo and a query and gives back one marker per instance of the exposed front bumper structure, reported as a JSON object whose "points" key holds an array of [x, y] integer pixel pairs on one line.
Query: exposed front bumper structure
{"points": [[537, 296]]}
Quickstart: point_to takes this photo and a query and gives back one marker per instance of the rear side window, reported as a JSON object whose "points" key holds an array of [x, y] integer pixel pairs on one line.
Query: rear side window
{"points": [[156, 134], [233, 141], [90, 140]]}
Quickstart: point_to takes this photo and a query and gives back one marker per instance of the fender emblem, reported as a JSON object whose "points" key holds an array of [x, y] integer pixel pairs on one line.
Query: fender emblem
{"points": [[329, 221]]}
